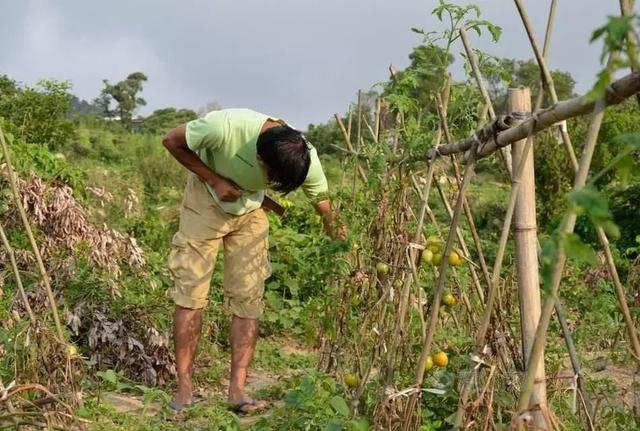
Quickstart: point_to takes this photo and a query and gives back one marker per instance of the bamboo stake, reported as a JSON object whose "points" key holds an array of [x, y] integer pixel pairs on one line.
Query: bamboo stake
{"points": [[463, 244], [548, 80], [619, 290], [32, 240], [16, 273], [377, 123], [444, 126], [566, 332], [357, 146], [406, 289], [536, 355], [526, 254], [473, 61], [615, 93], [495, 276], [435, 307], [347, 141]]}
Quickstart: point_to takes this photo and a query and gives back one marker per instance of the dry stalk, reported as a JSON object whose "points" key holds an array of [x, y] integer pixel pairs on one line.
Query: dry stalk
{"points": [[16, 273], [435, 308], [34, 246]]}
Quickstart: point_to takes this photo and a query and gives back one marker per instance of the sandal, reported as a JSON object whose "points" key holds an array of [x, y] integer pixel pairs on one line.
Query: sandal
{"points": [[181, 407], [241, 410]]}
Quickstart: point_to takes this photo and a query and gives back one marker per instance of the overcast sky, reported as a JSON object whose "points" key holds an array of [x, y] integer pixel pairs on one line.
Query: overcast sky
{"points": [[301, 60]]}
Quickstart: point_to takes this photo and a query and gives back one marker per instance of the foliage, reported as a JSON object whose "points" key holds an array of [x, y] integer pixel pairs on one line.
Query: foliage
{"points": [[36, 115], [163, 120], [325, 137], [502, 73], [316, 403], [618, 49]]}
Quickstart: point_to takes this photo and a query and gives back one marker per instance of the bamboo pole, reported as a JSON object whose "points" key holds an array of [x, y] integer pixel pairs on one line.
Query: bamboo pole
{"points": [[537, 350], [357, 147], [32, 240], [473, 61], [347, 141], [495, 278], [481, 334], [16, 273], [615, 93], [566, 332], [406, 289], [613, 271], [444, 126], [548, 80], [527, 254]]}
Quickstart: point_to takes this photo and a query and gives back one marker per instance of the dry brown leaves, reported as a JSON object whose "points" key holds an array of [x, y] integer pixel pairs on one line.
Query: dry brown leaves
{"points": [[129, 343], [63, 221]]}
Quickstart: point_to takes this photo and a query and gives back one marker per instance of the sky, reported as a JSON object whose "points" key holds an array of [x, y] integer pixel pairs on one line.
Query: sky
{"points": [[302, 60]]}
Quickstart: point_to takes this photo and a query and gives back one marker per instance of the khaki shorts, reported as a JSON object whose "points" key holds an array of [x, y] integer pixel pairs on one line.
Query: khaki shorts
{"points": [[203, 227]]}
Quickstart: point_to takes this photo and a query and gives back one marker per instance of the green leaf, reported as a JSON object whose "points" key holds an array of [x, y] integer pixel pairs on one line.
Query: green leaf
{"points": [[108, 376], [611, 229], [333, 425], [593, 203], [293, 286], [340, 406], [359, 425], [577, 250], [630, 139], [495, 31], [547, 257], [625, 167]]}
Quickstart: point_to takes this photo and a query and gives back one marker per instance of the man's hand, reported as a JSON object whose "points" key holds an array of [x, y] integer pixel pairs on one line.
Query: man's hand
{"points": [[226, 190], [329, 221], [340, 233]]}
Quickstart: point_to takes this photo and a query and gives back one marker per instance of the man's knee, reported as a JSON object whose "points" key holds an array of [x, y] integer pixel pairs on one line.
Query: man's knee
{"points": [[246, 308]]}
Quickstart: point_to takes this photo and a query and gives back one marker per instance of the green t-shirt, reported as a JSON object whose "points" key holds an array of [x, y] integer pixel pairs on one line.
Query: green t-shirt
{"points": [[226, 140]]}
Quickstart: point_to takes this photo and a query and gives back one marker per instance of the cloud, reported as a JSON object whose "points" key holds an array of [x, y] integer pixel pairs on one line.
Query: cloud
{"points": [[45, 49]]}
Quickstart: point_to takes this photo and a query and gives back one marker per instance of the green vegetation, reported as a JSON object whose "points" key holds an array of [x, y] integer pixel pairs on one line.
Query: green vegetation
{"points": [[103, 199]]}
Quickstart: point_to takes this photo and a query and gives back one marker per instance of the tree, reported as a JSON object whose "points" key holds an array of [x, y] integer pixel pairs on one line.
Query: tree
{"points": [[502, 73], [125, 93]]}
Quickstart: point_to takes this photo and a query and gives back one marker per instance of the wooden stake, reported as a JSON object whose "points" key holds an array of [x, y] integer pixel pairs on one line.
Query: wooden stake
{"points": [[616, 93], [548, 80], [527, 252], [473, 61], [537, 350], [350, 148]]}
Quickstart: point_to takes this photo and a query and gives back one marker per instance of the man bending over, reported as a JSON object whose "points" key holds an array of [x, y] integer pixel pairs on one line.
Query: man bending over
{"points": [[233, 156]]}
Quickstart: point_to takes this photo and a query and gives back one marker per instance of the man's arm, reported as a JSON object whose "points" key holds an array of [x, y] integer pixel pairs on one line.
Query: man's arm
{"points": [[176, 143], [328, 220]]}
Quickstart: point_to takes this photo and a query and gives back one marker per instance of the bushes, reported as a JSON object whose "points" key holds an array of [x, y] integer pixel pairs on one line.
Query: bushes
{"points": [[38, 115]]}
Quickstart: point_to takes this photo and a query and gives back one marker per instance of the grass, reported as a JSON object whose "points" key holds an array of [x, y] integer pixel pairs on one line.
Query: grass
{"points": [[275, 359]]}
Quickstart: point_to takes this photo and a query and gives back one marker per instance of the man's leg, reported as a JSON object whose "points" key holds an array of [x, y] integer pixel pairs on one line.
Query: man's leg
{"points": [[243, 336], [246, 265], [187, 324]]}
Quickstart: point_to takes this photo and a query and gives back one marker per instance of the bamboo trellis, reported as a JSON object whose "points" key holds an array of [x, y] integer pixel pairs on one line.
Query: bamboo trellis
{"points": [[500, 133]]}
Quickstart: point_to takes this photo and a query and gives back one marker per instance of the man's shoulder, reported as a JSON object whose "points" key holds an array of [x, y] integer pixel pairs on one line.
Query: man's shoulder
{"points": [[237, 114]]}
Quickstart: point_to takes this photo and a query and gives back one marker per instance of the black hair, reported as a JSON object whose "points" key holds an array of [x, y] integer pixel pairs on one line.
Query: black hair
{"points": [[285, 153]]}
